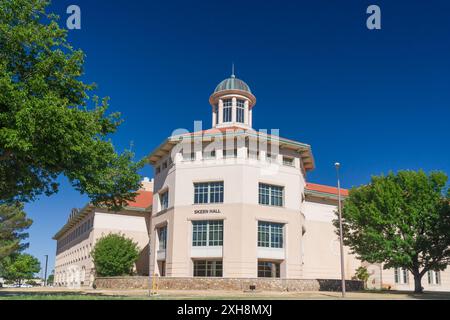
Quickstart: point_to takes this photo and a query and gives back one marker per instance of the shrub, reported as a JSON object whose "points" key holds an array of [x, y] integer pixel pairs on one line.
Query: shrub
{"points": [[114, 255]]}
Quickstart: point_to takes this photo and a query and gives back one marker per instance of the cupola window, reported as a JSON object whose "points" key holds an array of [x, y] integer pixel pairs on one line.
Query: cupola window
{"points": [[240, 111], [227, 110]]}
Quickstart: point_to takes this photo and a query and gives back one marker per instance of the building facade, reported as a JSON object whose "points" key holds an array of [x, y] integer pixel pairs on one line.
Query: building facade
{"points": [[229, 202], [235, 203], [76, 239]]}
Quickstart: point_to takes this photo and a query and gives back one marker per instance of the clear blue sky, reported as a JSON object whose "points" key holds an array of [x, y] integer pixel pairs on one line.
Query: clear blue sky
{"points": [[373, 100]]}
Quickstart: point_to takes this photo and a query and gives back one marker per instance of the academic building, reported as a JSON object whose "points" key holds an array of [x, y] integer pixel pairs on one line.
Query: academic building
{"points": [[76, 239], [231, 202]]}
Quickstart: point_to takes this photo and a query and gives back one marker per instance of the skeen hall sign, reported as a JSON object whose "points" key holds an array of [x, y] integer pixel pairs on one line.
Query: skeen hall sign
{"points": [[207, 211]]}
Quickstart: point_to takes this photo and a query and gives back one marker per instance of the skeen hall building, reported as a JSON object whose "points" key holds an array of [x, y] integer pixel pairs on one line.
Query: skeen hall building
{"points": [[232, 202]]}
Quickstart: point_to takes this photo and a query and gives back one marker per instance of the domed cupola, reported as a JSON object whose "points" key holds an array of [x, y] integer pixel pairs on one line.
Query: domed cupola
{"points": [[232, 83], [232, 103]]}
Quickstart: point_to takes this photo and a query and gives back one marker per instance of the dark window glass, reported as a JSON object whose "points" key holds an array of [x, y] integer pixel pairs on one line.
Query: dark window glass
{"points": [[162, 236], [268, 269], [227, 110], [208, 268]]}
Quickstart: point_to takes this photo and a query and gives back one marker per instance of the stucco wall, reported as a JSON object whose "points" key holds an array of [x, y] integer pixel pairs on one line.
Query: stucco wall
{"points": [[240, 213], [321, 244]]}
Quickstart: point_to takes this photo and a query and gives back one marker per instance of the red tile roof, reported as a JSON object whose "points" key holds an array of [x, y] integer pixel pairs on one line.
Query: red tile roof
{"points": [[325, 189], [144, 199]]}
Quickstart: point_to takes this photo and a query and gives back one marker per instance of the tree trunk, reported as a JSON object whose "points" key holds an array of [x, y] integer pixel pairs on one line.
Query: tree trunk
{"points": [[417, 283]]}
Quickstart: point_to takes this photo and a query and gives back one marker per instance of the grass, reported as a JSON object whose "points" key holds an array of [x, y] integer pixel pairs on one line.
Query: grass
{"points": [[64, 297], [90, 294]]}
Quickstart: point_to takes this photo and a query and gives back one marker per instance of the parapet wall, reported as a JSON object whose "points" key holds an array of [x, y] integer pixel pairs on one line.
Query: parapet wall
{"points": [[237, 284]]}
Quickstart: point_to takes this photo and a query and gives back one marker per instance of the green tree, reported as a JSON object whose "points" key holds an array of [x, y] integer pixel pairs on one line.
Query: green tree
{"points": [[402, 221], [362, 274], [50, 279], [13, 222], [50, 123], [114, 255], [21, 267]]}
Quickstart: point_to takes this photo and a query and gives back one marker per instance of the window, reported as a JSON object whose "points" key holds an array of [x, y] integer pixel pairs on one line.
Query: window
{"points": [[231, 153], [240, 111], [288, 161], [158, 170], [268, 269], [209, 155], [434, 277], [164, 166], [207, 233], [401, 276], [208, 192], [164, 199], [216, 111], [162, 268], [208, 268], [270, 235], [162, 236], [227, 110], [189, 156], [270, 195]]}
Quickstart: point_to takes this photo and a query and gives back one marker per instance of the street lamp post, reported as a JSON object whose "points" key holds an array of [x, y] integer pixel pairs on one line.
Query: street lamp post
{"points": [[341, 239], [150, 254], [45, 273]]}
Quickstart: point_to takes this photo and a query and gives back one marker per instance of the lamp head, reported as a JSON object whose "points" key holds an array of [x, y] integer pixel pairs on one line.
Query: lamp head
{"points": [[337, 165]]}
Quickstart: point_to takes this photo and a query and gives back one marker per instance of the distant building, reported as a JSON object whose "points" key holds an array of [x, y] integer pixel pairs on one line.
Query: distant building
{"points": [[75, 240]]}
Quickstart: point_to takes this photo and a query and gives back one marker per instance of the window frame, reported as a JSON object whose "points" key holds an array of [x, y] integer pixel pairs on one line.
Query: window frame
{"points": [[270, 235], [267, 271], [211, 192], [212, 268], [434, 277], [162, 242], [270, 195], [164, 200], [207, 233], [401, 276], [240, 111], [227, 111]]}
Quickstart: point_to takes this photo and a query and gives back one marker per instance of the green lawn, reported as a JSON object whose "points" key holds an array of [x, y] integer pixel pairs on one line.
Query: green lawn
{"points": [[90, 294]]}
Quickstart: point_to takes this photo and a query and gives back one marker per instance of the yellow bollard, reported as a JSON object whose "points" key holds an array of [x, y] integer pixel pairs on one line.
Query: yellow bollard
{"points": [[154, 285]]}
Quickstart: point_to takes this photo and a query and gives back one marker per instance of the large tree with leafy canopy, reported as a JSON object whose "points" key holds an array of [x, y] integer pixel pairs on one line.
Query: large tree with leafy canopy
{"points": [[401, 220], [20, 267], [50, 123]]}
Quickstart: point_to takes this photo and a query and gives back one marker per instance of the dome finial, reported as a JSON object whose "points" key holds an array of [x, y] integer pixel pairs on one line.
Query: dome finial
{"points": [[232, 71]]}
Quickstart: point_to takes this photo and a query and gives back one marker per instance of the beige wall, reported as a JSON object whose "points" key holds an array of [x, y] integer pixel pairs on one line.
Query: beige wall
{"points": [[321, 243], [388, 279], [74, 259], [240, 213]]}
